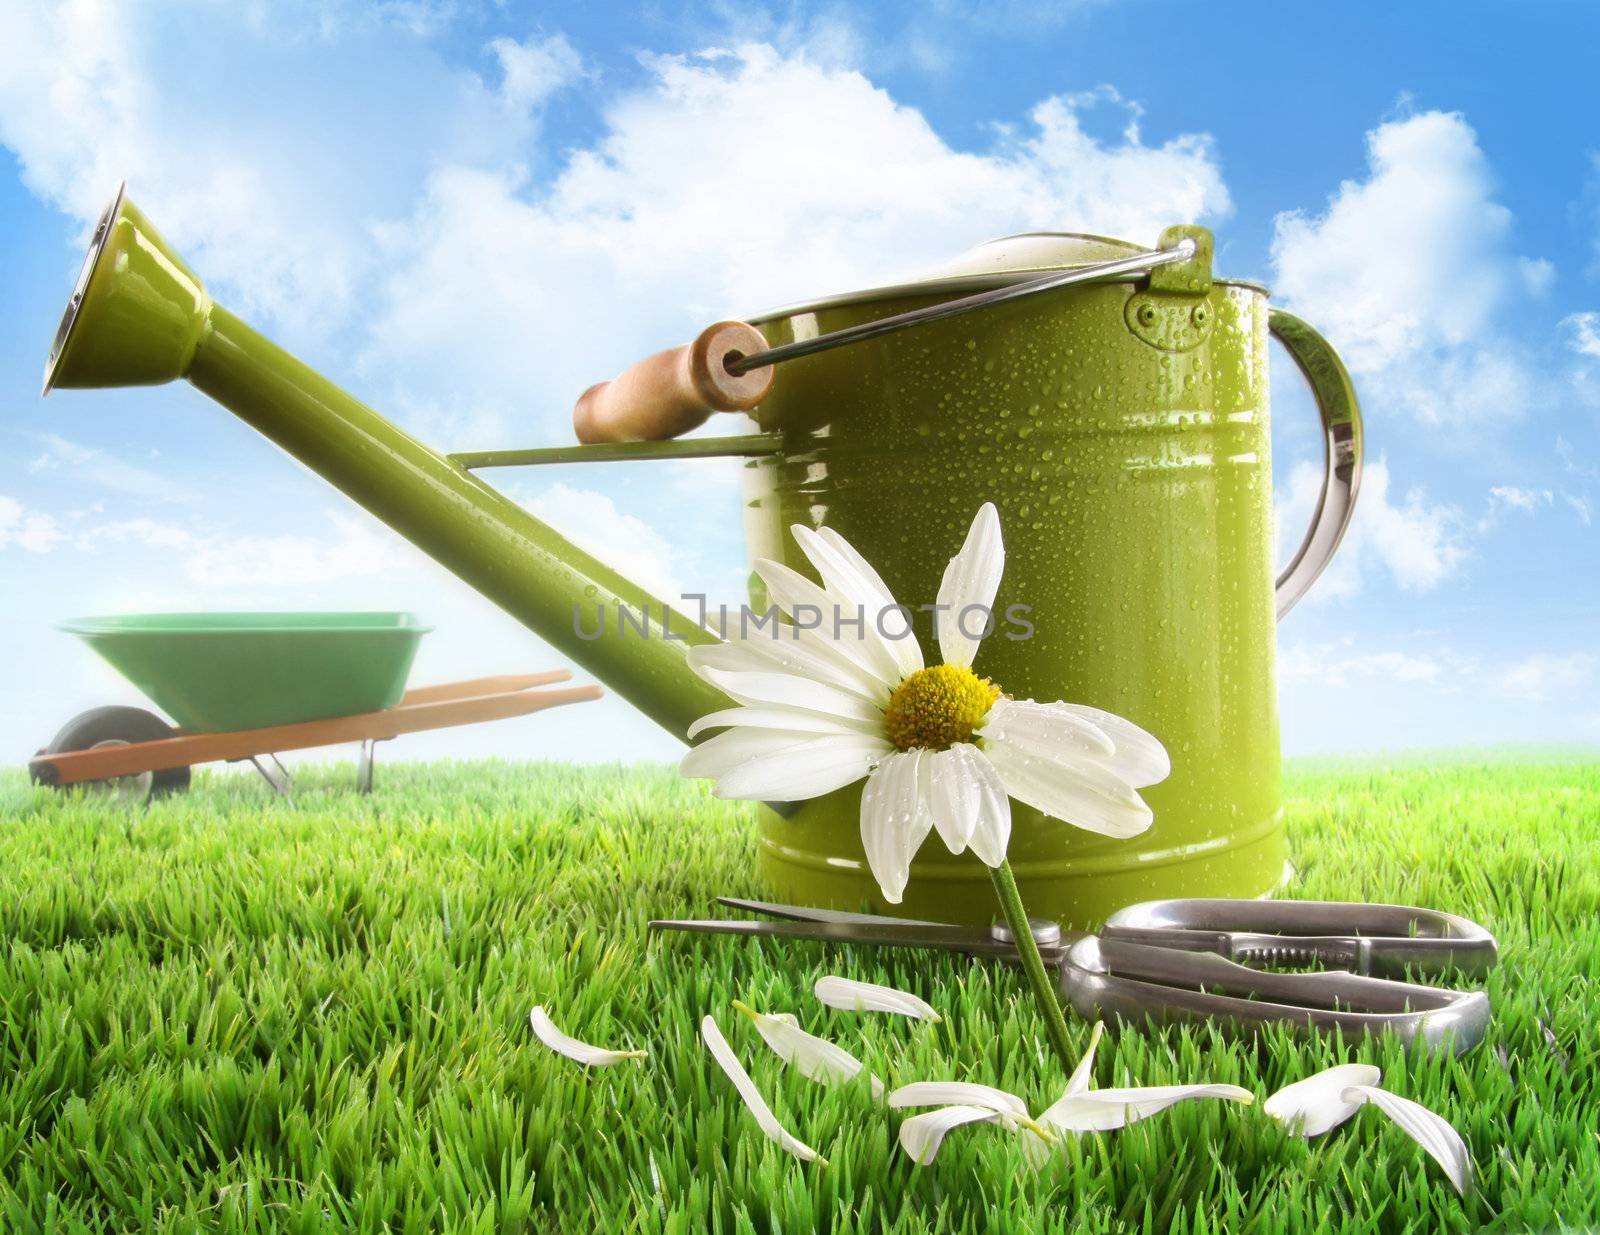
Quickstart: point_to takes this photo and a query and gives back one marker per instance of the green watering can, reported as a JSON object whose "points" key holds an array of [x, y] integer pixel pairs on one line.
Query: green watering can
{"points": [[1111, 402]]}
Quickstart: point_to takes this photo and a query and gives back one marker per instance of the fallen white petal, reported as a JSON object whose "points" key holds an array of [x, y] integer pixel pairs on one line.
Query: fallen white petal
{"points": [[970, 582], [1100, 1110], [1317, 1104], [814, 1057], [775, 1131], [1083, 1074], [1431, 1131], [921, 1135], [848, 995], [962, 1093], [1034, 1146], [591, 1056]]}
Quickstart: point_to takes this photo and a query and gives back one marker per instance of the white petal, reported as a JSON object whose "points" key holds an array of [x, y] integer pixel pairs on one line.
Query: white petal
{"points": [[1084, 794], [862, 567], [773, 717], [848, 995], [1100, 1110], [953, 794], [816, 767], [775, 1131], [1047, 730], [921, 1135], [970, 582], [894, 820], [961, 1093], [1432, 1132], [785, 690], [814, 1057], [1035, 1147], [1083, 1074], [864, 646], [1140, 759], [779, 651], [591, 1056], [1317, 1104], [719, 755], [851, 581], [992, 832]]}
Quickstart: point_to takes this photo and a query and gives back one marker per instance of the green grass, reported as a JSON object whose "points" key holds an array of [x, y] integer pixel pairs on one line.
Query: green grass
{"points": [[228, 1013]]}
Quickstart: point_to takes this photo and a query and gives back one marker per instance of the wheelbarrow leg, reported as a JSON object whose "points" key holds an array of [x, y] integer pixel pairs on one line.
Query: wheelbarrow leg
{"points": [[276, 775], [369, 748]]}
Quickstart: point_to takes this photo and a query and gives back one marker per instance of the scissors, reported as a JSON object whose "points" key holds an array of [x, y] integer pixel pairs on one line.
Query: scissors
{"points": [[1194, 960]]}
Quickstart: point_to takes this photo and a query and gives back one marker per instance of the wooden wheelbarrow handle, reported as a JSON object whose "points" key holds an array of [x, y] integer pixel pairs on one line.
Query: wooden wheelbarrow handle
{"points": [[676, 390], [427, 707]]}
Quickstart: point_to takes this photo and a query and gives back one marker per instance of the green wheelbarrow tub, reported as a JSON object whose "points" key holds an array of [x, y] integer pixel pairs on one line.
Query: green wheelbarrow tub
{"points": [[216, 672]]}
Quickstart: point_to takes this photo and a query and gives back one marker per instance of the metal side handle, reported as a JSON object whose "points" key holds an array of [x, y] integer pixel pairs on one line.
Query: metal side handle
{"points": [[1342, 453]]}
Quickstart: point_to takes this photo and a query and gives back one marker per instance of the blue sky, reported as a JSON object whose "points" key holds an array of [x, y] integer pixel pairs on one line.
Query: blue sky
{"points": [[466, 213]]}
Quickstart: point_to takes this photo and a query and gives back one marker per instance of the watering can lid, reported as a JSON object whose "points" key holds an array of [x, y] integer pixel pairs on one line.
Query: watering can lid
{"points": [[994, 263]]}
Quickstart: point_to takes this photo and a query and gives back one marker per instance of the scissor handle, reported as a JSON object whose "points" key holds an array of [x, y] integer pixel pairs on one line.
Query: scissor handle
{"points": [[1386, 940], [1136, 982]]}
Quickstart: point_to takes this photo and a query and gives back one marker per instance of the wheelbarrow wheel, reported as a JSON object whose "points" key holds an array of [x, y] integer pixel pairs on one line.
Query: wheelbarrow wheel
{"points": [[119, 725]]}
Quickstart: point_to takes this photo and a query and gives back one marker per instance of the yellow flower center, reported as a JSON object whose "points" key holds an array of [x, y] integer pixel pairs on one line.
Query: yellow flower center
{"points": [[937, 707]]}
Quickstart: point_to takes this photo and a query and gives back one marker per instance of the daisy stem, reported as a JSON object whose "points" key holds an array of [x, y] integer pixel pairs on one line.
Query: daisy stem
{"points": [[1044, 990]]}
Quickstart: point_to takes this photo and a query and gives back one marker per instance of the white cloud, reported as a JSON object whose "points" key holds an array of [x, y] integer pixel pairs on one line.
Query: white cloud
{"points": [[217, 557], [1510, 497], [27, 529], [1346, 662], [535, 69], [1409, 272], [98, 467], [1417, 544], [685, 210], [1583, 333], [262, 145], [1337, 664], [1516, 499], [1540, 675], [1580, 507]]}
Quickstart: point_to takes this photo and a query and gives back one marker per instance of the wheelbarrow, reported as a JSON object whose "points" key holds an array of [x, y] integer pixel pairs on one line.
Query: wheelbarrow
{"points": [[247, 687]]}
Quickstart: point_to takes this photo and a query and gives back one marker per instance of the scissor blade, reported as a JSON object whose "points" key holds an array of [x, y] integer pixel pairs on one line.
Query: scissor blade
{"points": [[804, 913], [869, 934]]}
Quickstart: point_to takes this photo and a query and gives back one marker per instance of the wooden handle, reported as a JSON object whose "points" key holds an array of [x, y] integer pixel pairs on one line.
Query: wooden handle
{"points": [[675, 390]]}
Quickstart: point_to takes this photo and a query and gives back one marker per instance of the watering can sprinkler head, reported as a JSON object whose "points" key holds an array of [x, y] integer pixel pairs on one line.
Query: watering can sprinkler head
{"points": [[138, 316], [137, 312]]}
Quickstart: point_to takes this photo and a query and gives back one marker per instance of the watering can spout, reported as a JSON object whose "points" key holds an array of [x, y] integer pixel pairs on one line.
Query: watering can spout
{"points": [[150, 309], [139, 316]]}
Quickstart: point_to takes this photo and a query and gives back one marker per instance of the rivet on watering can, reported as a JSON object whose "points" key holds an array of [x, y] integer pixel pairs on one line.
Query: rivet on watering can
{"points": [[1201, 314], [1147, 314]]}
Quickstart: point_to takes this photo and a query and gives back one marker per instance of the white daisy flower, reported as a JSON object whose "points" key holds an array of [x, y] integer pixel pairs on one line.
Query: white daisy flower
{"points": [[830, 699]]}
